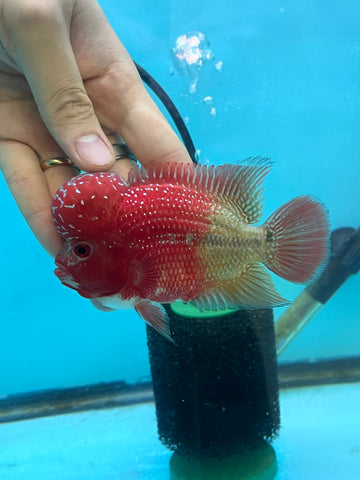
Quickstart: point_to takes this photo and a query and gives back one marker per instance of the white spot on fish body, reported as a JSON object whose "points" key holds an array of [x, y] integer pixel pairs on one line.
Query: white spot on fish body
{"points": [[160, 291], [189, 238], [82, 202]]}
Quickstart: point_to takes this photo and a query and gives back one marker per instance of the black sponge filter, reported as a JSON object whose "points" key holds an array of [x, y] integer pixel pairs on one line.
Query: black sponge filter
{"points": [[216, 390]]}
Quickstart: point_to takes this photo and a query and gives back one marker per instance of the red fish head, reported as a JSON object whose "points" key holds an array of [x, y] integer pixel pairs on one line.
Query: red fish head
{"points": [[87, 203], [93, 268]]}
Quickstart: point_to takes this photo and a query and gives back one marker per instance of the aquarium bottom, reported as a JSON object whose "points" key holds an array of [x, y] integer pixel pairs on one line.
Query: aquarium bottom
{"points": [[100, 396], [319, 439]]}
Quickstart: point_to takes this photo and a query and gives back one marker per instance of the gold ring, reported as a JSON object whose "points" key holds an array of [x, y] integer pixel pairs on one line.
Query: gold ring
{"points": [[121, 150], [55, 162]]}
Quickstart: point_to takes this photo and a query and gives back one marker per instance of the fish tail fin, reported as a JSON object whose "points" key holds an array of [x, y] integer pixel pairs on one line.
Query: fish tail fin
{"points": [[298, 235]]}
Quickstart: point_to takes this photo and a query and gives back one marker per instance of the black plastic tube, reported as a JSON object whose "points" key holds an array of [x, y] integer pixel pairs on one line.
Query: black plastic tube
{"points": [[343, 262], [171, 108]]}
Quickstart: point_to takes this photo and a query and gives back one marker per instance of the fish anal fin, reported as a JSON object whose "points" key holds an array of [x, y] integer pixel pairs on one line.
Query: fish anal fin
{"points": [[154, 314], [252, 289], [237, 185]]}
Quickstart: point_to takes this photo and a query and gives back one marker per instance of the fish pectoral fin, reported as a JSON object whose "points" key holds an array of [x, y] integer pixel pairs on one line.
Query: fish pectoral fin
{"points": [[154, 314], [252, 289], [143, 273]]}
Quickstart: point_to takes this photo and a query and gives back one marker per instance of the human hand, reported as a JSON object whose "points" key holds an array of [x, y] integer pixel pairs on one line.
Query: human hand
{"points": [[65, 81]]}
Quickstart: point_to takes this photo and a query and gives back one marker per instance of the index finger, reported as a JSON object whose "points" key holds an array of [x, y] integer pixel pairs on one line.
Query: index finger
{"points": [[137, 118], [119, 97]]}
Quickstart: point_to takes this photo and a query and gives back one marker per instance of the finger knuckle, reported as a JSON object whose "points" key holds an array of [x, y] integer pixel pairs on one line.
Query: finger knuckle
{"points": [[23, 12], [26, 15], [16, 180], [35, 213], [68, 104], [37, 217]]}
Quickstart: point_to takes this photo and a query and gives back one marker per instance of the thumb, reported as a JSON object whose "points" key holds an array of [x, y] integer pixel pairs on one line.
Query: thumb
{"points": [[44, 54]]}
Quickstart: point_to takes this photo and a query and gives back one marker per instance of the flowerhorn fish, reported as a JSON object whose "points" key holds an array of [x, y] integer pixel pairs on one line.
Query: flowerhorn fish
{"points": [[184, 232]]}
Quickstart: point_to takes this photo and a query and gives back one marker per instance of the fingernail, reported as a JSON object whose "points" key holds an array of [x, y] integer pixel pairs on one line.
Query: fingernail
{"points": [[92, 149]]}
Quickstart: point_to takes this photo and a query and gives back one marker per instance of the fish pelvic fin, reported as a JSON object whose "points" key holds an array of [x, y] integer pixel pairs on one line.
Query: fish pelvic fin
{"points": [[239, 186], [298, 238], [252, 289], [154, 314]]}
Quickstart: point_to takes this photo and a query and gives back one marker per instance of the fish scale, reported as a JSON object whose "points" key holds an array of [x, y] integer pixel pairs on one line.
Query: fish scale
{"points": [[152, 230], [172, 241]]}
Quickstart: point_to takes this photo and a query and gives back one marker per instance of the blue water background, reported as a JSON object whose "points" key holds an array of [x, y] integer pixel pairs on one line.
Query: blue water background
{"points": [[289, 89]]}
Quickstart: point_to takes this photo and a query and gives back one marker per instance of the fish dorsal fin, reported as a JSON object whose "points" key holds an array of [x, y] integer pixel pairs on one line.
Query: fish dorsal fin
{"points": [[237, 185]]}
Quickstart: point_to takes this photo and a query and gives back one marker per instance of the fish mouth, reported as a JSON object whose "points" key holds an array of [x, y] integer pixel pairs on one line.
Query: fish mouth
{"points": [[65, 278]]}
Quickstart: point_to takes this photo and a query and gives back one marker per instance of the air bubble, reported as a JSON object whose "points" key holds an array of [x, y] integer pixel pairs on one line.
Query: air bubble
{"points": [[209, 103], [190, 53]]}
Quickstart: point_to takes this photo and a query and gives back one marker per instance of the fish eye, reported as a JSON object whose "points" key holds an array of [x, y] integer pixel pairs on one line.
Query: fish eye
{"points": [[82, 250]]}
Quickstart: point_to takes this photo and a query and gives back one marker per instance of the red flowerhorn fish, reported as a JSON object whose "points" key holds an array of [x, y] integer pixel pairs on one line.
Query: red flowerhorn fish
{"points": [[184, 232]]}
